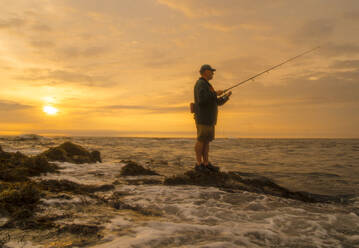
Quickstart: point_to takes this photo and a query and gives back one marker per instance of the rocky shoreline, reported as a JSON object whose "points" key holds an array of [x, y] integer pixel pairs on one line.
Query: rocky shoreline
{"points": [[25, 203], [20, 196]]}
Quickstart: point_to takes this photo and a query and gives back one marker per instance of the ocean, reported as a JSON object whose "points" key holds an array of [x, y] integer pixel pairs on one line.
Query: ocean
{"points": [[198, 216]]}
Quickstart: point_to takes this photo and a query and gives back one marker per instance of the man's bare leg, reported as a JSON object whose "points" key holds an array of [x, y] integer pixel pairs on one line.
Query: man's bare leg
{"points": [[199, 151], [205, 152]]}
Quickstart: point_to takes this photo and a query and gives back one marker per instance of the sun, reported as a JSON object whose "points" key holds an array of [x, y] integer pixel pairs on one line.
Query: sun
{"points": [[50, 110]]}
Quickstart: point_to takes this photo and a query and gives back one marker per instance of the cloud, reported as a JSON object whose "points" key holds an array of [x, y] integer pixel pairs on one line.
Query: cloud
{"points": [[32, 23], [41, 27], [51, 34], [228, 26], [347, 76], [11, 23], [333, 87], [64, 77], [147, 108], [340, 49], [42, 43], [157, 57], [314, 31], [69, 76], [296, 102], [90, 51], [12, 106], [351, 15], [241, 67], [215, 8], [220, 27], [195, 9], [345, 64], [332, 90]]}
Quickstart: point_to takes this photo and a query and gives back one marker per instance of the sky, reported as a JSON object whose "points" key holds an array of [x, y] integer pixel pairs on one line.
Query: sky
{"points": [[128, 67]]}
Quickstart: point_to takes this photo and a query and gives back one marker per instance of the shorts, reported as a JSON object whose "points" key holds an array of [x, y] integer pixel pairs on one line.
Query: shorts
{"points": [[205, 132]]}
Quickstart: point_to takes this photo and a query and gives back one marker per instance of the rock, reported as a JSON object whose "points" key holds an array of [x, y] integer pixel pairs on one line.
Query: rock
{"points": [[205, 178], [72, 153], [18, 167], [133, 169], [142, 181], [36, 222], [233, 181], [68, 186], [81, 229], [19, 199], [96, 156], [18, 196]]}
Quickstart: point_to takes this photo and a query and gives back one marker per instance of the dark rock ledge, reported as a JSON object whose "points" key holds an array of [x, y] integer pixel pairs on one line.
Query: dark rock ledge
{"points": [[72, 153]]}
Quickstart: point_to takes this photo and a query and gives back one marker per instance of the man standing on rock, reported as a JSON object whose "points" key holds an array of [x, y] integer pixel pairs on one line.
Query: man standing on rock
{"points": [[206, 102]]}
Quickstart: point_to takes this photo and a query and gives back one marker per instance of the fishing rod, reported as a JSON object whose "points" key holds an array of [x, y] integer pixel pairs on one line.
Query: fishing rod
{"points": [[272, 68]]}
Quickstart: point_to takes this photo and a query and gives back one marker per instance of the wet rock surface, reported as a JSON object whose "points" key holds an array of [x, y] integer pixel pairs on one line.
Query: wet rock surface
{"points": [[21, 196], [142, 181], [133, 169], [72, 153], [15, 166], [81, 229], [58, 186], [18, 200], [48, 208], [234, 181]]}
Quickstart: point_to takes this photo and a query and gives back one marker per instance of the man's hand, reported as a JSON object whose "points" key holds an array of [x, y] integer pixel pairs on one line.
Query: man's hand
{"points": [[228, 94], [219, 92]]}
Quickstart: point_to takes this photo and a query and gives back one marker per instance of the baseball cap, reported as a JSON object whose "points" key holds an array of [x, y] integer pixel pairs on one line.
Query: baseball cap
{"points": [[206, 67]]}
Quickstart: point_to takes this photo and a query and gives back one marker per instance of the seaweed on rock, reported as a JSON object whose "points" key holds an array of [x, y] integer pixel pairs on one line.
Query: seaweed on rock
{"points": [[18, 200], [72, 153], [15, 166], [18, 195], [81, 229], [133, 169], [72, 187]]}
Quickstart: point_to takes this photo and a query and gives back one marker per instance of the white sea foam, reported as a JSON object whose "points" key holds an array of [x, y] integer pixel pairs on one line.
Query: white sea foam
{"points": [[94, 173], [194, 216], [73, 200], [208, 217]]}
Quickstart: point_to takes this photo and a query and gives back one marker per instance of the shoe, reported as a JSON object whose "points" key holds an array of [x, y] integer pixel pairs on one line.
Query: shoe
{"points": [[198, 167], [212, 167], [201, 168]]}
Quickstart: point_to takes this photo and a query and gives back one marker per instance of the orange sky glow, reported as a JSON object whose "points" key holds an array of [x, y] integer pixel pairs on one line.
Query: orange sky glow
{"points": [[127, 68]]}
